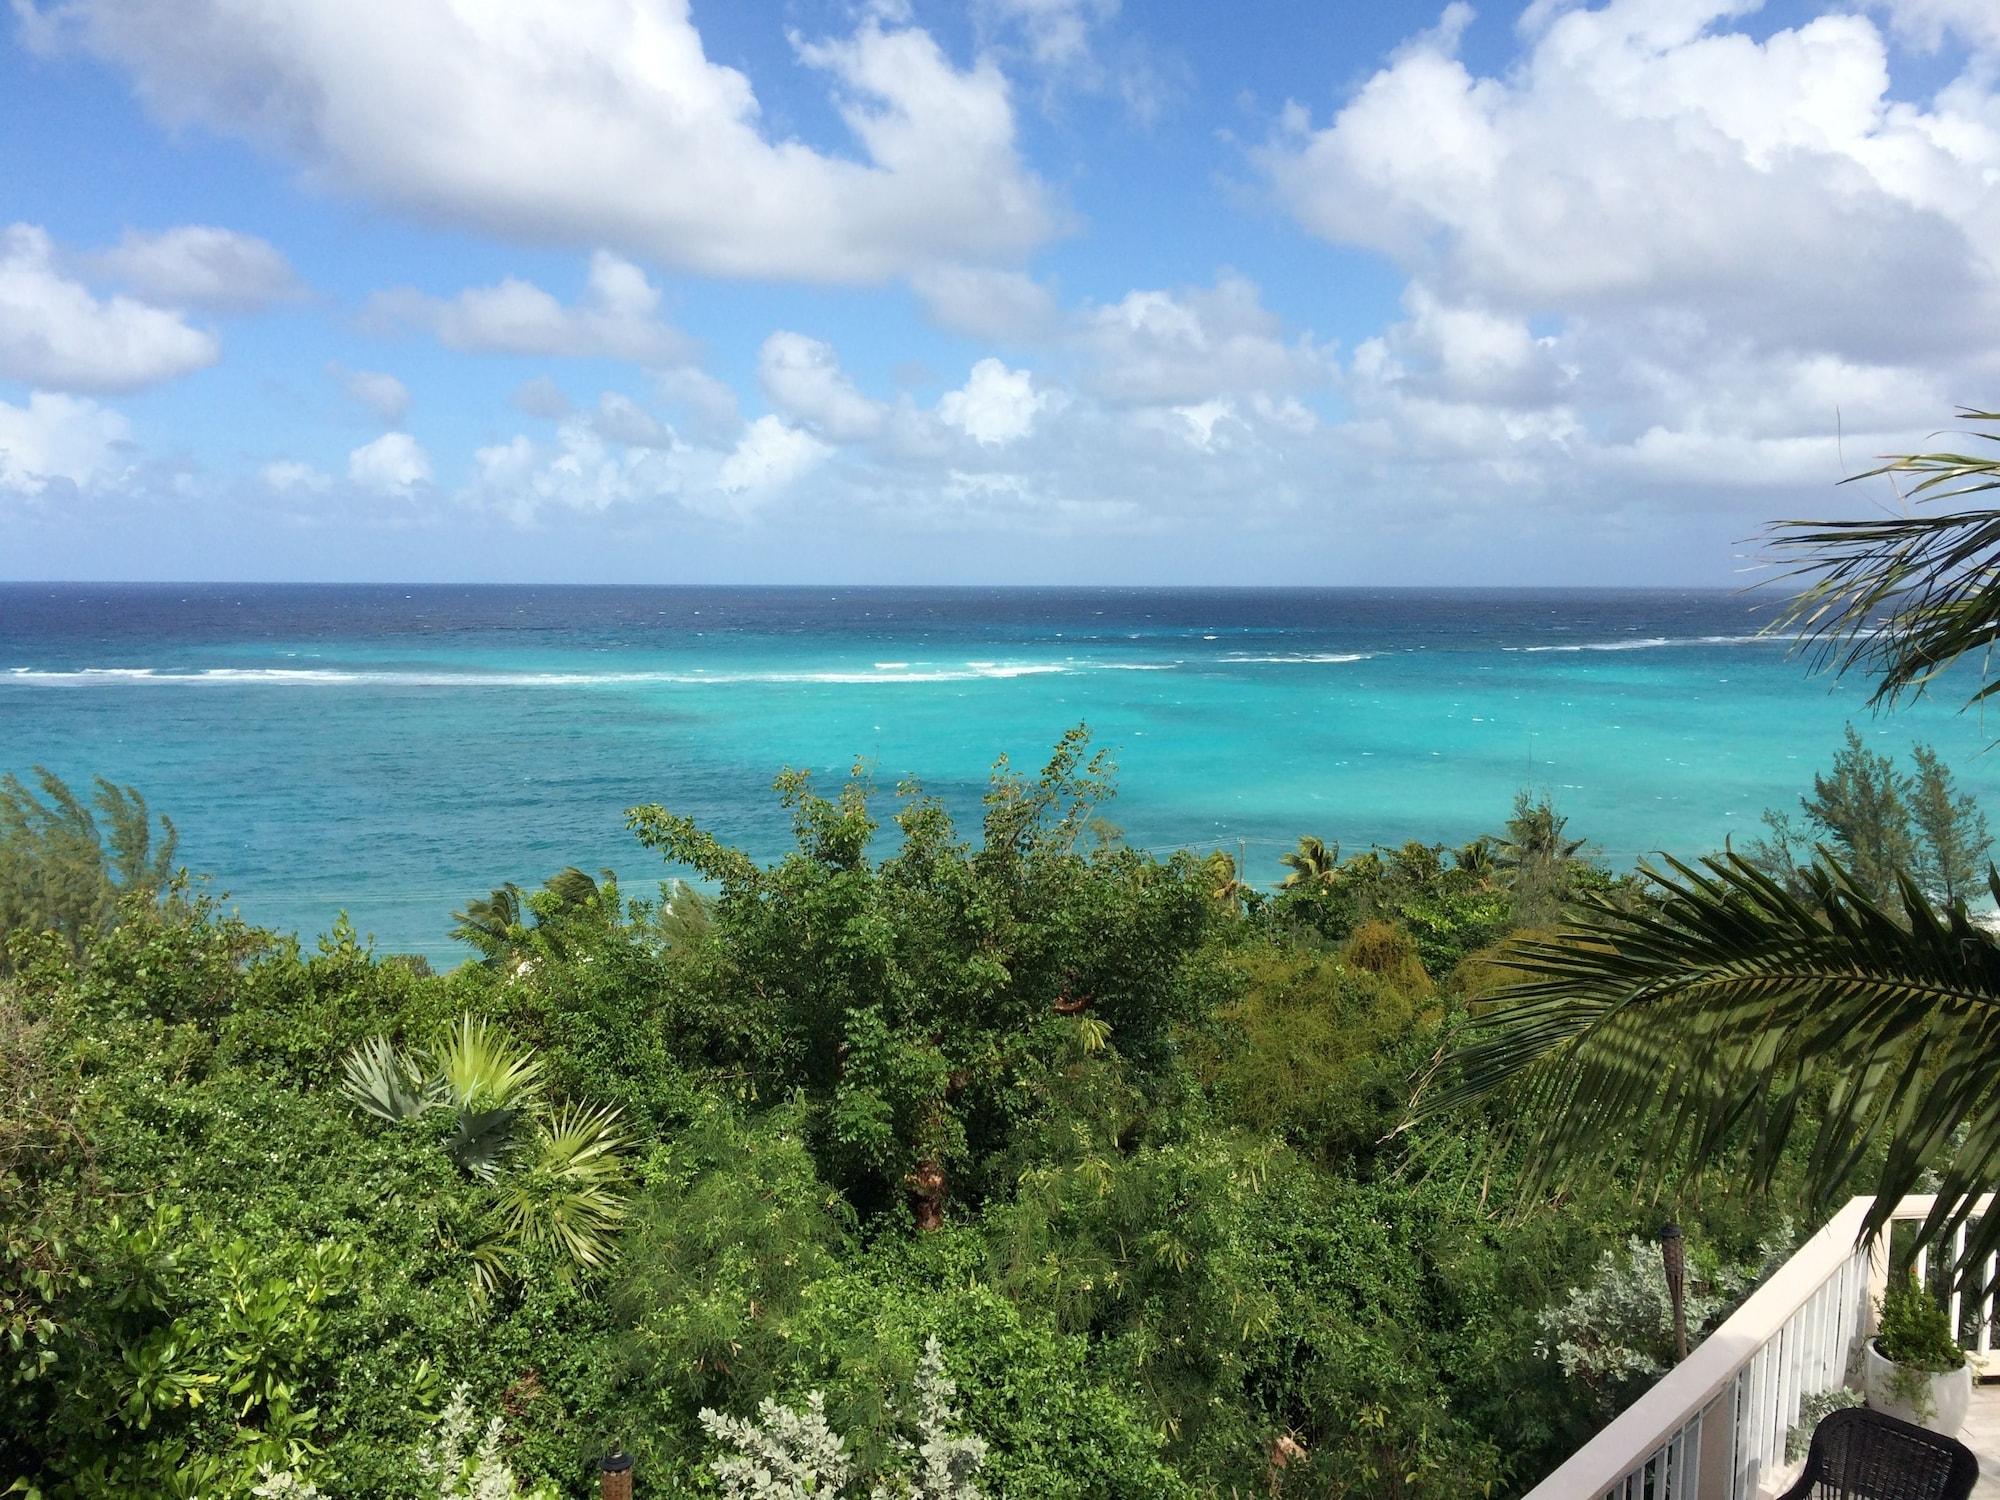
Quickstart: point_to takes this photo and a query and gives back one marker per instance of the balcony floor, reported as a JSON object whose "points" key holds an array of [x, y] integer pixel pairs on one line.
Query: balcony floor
{"points": [[1982, 1436]]}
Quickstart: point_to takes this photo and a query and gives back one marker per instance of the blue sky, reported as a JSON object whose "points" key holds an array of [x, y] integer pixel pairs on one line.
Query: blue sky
{"points": [[1019, 290]]}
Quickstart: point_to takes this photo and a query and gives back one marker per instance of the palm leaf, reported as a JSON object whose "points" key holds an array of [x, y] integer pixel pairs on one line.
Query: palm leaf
{"points": [[484, 1068], [1902, 597], [385, 1083], [1692, 1032], [568, 1199]]}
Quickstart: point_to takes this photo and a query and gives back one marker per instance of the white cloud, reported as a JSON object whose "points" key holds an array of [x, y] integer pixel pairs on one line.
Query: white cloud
{"points": [[591, 122], [1643, 158], [995, 406], [1931, 23], [582, 473], [620, 419], [709, 404], [289, 476], [58, 438], [984, 303], [1056, 32], [541, 397], [54, 332], [394, 464], [616, 318], [803, 379], [770, 456], [376, 391], [199, 265], [1171, 348]]}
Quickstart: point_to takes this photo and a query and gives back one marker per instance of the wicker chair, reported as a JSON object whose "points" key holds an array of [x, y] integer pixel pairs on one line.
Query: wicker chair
{"points": [[1859, 1454]]}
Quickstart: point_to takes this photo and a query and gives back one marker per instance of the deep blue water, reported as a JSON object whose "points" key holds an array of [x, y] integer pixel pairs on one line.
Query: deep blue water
{"points": [[392, 751]]}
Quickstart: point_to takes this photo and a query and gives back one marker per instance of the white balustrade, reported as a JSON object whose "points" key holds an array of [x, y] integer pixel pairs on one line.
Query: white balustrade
{"points": [[1714, 1427]]}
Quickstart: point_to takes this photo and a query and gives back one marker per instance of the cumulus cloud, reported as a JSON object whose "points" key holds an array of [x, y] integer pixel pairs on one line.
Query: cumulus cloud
{"points": [[58, 439], [200, 265], [1656, 256], [983, 303], [594, 122], [1643, 158], [620, 419], [770, 456], [394, 464], [541, 397], [291, 477], [1931, 23], [55, 332], [803, 379], [1166, 348], [995, 406], [616, 318], [375, 391]]}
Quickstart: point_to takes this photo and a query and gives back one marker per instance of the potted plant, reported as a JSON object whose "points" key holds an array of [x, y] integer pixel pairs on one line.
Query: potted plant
{"points": [[1913, 1367]]}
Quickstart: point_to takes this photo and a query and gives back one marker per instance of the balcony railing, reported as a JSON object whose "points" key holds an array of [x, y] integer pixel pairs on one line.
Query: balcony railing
{"points": [[1714, 1427]]}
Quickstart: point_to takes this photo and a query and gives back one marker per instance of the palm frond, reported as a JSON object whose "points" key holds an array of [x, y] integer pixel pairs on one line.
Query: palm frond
{"points": [[1695, 1031], [568, 1198], [386, 1083], [484, 1068], [1902, 597]]}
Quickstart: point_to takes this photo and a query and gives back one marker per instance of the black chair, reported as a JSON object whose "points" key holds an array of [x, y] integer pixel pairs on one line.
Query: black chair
{"points": [[1859, 1454]]}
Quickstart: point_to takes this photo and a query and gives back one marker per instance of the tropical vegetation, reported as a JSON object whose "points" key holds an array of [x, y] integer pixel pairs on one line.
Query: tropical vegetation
{"points": [[958, 1159], [1827, 997]]}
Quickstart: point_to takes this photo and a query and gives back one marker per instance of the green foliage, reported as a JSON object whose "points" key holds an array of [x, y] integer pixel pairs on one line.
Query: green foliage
{"points": [[67, 870], [1882, 823], [1951, 834], [1535, 859], [1100, 1133], [1314, 1050], [1614, 1335], [558, 1174], [1813, 1410], [1914, 1330], [912, 1003]]}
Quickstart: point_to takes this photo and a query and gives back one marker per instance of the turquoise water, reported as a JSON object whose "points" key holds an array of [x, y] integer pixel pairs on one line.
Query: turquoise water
{"points": [[391, 752]]}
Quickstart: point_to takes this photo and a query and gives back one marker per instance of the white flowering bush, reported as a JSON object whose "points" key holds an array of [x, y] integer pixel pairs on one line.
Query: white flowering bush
{"points": [[784, 1453], [1618, 1327], [455, 1468], [788, 1454]]}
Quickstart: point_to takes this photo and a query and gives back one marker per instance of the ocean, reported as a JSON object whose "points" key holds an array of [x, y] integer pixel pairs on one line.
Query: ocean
{"points": [[391, 751]]}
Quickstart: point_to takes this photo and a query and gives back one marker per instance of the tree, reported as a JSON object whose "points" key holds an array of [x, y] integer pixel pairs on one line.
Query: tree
{"points": [[1729, 1014], [1862, 809], [1534, 857], [64, 871], [1951, 834], [1314, 863], [920, 1004]]}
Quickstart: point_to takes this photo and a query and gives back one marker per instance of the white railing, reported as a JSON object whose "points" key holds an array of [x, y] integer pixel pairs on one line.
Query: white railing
{"points": [[1714, 1427]]}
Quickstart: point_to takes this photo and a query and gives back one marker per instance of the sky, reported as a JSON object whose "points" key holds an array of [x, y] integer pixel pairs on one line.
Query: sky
{"points": [[993, 291]]}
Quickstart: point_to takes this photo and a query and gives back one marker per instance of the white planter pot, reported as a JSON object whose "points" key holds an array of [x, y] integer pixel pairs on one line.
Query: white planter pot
{"points": [[1950, 1394]]}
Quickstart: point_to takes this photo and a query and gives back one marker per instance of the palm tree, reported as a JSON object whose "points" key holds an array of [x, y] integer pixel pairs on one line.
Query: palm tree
{"points": [[1732, 1014], [1314, 862], [491, 924]]}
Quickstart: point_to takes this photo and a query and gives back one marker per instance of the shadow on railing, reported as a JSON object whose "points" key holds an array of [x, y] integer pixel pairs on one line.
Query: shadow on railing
{"points": [[1714, 1426]]}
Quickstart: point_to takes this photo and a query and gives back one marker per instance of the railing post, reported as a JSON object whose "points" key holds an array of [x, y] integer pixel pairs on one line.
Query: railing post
{"points": [[1878, 1279]]}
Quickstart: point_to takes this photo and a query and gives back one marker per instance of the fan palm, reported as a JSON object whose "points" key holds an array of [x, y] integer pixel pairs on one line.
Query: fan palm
{"points": [[567, 1199], [1734, 1015]]}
